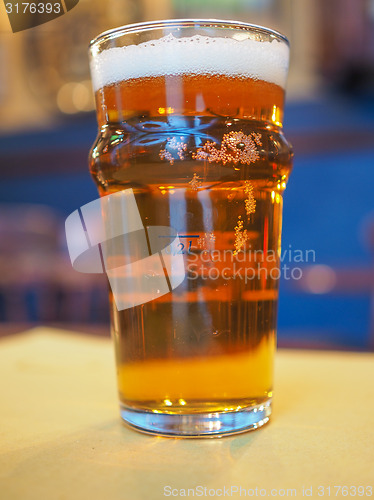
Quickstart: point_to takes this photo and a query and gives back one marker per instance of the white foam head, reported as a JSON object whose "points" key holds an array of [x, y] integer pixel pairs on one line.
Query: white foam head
{"points": [[193, 55]]}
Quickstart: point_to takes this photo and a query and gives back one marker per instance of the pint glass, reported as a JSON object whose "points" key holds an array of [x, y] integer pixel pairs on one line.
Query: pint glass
{"points": [[190, 130]]}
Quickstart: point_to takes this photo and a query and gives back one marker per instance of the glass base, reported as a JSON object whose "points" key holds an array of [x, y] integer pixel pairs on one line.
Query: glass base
{"points": [[215, 424]]}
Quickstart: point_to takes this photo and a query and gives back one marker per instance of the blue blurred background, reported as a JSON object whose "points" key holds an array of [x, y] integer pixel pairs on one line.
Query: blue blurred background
{"points": [[48, 125]]}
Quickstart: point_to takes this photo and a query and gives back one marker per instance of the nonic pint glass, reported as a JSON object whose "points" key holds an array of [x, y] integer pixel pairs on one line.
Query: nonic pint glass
{"points": [[190, 129]]}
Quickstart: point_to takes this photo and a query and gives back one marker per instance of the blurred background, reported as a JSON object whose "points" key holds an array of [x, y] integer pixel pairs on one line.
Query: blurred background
{"points": [[47, 125]]}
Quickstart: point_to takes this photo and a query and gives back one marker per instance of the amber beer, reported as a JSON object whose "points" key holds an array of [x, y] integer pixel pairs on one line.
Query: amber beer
{"points": [[190, 116]]}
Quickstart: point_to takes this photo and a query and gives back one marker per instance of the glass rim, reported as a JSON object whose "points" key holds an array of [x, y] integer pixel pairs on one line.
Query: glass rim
{"points": [[213, 23]]}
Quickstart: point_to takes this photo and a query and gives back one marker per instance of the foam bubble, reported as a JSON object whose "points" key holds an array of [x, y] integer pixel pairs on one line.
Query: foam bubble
{"points": [[192, 55]]}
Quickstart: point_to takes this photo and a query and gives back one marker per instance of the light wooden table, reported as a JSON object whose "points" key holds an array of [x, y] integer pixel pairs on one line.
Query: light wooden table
{"points": [[61, 436]]}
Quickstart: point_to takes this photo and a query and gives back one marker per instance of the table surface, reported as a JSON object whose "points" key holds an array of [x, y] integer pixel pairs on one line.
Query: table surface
{"points": [[61, 435]]}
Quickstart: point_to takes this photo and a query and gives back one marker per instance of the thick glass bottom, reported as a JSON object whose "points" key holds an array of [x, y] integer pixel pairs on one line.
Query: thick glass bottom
{"points": [[215, 424]]}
